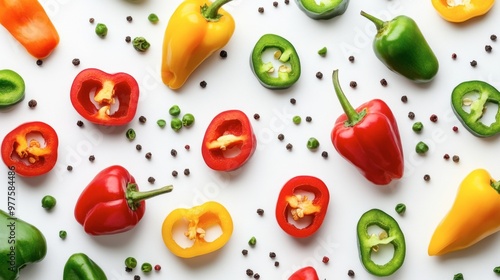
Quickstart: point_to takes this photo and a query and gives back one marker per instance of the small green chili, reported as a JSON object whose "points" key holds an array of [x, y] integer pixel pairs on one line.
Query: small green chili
{"points": [[312, 143], [130, 134], [62, 234], [296, 119], [130, 262], [161, 123], [174, 110], [400, 208], [140, 44], [421, 148], [146, 267], [187, 120], [48, 202], [496, 270], [417, 127], [153, 18], [458, 276], [322, 51], [176, 124], [252, 241], [101, 30]]}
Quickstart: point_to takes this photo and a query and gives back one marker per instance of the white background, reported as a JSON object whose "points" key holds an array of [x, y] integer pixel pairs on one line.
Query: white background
{"points": [[231, 85]]}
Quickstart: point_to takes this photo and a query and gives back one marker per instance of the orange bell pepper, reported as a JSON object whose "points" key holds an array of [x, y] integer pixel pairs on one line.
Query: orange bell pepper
{"points": [[199, 219], [462, 11], [475, 214], [29, 24]]}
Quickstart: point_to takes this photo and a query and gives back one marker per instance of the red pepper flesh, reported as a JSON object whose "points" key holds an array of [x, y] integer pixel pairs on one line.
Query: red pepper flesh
{"points": [[111, 203], [305, 273], [368, 137], [103, 98], [228, 130], [28, 156], [290, 202]]}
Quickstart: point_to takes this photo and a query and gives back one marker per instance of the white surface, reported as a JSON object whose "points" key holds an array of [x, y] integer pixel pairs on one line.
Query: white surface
{"points": [[231, 85]]}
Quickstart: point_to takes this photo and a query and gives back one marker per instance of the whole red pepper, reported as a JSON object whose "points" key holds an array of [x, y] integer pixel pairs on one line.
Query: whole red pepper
{"points": [[369, 138], [305, 273], [105, 99], [229, 141], [111, 203], [290, 201]]}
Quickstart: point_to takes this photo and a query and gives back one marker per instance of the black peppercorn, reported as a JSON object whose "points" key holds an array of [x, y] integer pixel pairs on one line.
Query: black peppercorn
{"points": [[128, 39], [173, 152], [174, 173], [324, 154], [351, 58], [456, 158], [151, 180], [281, 136], [138, 147], [411, 115], [128, 269], [287, 2], [261, 10], [142, 119], [79, 123], [446, 156], [275, 3], [91, 20], [76, 61], [488, 48], [260, 211], [272, 255], [473, 63], [256, 116], [353, 84], [433, 118], [69, 168], [350, 273], [203, 84], [91, 158], [276, 263], [256, 276], [289, 146], [309, 119], [244, 252], [293, 101], [129, 18], [187, 172], [249, 272], [319, 75], [454, 56], [148, 155], [32, 103], [404, 98], [39, 62], [383, 82], [223, 53], [427, 177], [493, 37]]}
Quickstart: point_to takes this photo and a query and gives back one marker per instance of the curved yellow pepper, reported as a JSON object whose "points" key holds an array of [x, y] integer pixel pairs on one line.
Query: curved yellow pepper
{"points": [[462, 10], [475, 214], [199, 219], [194, 32]]}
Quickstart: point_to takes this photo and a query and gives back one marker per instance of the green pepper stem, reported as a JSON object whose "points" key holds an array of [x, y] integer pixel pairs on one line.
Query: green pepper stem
{"points": [[134, 197], [378, 22], [495, 185], [211, 13], [353, 117]]}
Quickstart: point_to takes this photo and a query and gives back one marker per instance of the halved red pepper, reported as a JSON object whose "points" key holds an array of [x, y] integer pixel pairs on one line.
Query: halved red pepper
{"points": [[103, 98], [112, 203], [228, 130], [22, 150], [305, 273], [290, 201]]}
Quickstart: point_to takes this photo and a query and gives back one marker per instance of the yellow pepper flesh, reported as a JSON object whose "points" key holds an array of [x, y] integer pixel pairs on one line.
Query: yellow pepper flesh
{"points": [[199, 219], [190, 39], [462, 10], [475, 214]]}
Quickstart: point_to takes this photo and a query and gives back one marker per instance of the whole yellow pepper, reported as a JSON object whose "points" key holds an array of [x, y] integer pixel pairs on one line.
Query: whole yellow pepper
{"points": [[460, 11], [195, 31], [475, 214]]}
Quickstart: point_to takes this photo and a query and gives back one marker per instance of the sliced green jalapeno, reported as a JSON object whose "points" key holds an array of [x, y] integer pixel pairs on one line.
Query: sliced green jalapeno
{"points": [[324, 9], [11, 88]]}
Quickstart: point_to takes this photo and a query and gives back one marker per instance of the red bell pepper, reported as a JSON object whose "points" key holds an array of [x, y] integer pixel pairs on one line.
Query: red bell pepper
{"points": [[290, 201], [112, 203], [229, 141], [305, 273], [22, 151], [368, 137], [103, 98]]}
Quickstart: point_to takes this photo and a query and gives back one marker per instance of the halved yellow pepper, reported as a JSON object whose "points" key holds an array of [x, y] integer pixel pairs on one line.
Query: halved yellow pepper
{"points": [[462, 10], [195, 31], [199, 219], [475, 214]]}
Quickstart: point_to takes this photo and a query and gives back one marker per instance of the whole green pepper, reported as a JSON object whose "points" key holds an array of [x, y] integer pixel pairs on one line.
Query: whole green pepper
{"points": [[21, 244], [400, 45], [325, 9], [80, 267], [11, 88], [471, 118], [369, 243]]}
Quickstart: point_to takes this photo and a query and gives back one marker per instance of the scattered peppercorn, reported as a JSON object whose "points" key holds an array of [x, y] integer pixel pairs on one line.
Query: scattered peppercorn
{"points": [[400, 208], [252, 241], [297, 119], [350, 273], [260, 211], [353, 84], [244, 252], [427, 177], [173, 152], [76, 61], [130, 262], [276, 263], [417, 127], [48, 202], [256, 116], [473, 63], [140, 44], [161, 123], [261, 10], [433, 118], [128, 269], [148, 155], [458, 276], [319, 75], [174, 110], [351, 58], [493, 37], [322, 51], [275, 3], [456, 158], [69, 168], [289, 146], [187, 120], [287, 2], [256, 276], [138, 147], [39, 62], [153, 18], [142, 119], [129, 18], [203, 84], [101, 30], [496, 270], [454, 56], [455, 128], [79, 123], [272, 255], [293, 101], [137, 277], [91, 158], [151, 180], [488, 48], [324, 154], [63, 234], [91, 20], [223, 53], [281, 137], [383, 82], [187, 147], [128, 39], [312, 143], [411, 115], [446, 156], [157, 267], [32, 103], [404, 98], [130, 134], [249, 272], [174, 173], [308, 119], [146, 267], [187, 172], [421, 148], [325, 259]]}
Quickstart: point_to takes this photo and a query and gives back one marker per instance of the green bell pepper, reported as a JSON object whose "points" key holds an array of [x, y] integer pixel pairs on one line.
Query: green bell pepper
{"points": [[471, 118], [20, 244], [400, 45], [325, 9], [369, 243], [288, 72], [11, 88], [80, 267]]}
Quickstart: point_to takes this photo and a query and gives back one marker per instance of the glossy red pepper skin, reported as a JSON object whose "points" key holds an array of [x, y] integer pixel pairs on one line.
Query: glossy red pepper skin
{"points": [[317, 207], [227, 131], [305, 273], [368, 137], [27, 156], [106, 90], [111, 202]]}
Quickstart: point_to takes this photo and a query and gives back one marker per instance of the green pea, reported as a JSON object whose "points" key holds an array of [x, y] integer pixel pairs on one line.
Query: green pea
{"points": [[130, 262], [62, 234], [496, 270], [417, 127], [146, 267], [176, 124], [458, 276], [421, 148], [322, 51], [161, 123], [252, 241], [187, 120], [312, 143], [130, 134], [296, 119], [140, 44], [48, 202], [153, 18], [101, 30], [400, 208], [174, 110]]}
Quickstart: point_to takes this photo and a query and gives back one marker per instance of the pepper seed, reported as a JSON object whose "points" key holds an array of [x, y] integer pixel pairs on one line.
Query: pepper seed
{"points": [[69, 168], [293, 101], [324, 154], [287, 2], [187, 147], [91, 20], [249, 272], [260, 211], [256, 116], [308, 119], [142, 119], [128, 39], [289, 146], [493, 37], [244, 252], [275, 4], [187, 172], [350, 273], [276, 263], [173, 152], [149, 155], [454, 56], [446, 156], [455, 128], [433, 118], [128, 269], [272, 255], [256, 276], [91, 158], [39, 62], [129, 18], [138, 147], [325, 259]]}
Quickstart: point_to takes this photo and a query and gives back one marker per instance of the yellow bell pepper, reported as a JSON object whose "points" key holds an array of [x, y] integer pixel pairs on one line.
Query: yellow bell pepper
{"points": [[475, 214], [195, 31], [462, 10], [199, 219]]}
